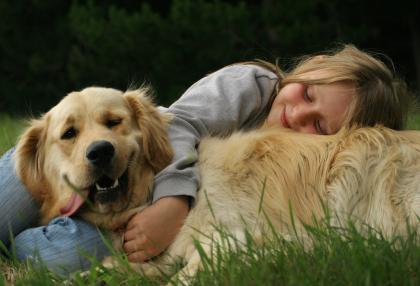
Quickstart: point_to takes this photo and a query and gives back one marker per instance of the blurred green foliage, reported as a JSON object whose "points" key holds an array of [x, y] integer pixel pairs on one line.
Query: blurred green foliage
{"points": [[49, 48]]}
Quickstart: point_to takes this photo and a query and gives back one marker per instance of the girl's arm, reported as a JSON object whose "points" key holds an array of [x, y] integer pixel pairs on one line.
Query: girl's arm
{"points": [[235, 97]]}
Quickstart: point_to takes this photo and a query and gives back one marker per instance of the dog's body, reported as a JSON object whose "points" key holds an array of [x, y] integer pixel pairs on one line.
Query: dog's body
{"points": [[255, 182], [250, 182]]}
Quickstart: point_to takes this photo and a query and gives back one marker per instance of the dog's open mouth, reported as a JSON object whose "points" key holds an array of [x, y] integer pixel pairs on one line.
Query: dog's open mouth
{"points": [[104, 190]]}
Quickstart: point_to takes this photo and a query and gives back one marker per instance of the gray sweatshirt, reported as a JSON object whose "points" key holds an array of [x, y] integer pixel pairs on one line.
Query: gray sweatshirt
{"points": [[237, 97]]}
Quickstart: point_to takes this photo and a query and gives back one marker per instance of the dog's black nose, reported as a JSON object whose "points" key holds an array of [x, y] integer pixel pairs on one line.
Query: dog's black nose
{"points": [[100, 153]]}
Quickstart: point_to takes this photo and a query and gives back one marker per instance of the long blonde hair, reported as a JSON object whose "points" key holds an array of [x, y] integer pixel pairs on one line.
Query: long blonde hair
{"points": [[381, 97]]}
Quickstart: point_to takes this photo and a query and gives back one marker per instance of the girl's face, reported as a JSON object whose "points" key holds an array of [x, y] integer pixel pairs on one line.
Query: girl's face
{"points": [[319, 109]]}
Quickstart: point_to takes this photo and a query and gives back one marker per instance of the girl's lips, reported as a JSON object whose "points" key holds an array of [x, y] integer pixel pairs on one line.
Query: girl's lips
{"points": [[283, 118]]}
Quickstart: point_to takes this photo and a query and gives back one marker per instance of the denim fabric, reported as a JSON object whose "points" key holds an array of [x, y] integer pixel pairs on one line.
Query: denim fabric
{"points": [[63, 245], [17, 209]]}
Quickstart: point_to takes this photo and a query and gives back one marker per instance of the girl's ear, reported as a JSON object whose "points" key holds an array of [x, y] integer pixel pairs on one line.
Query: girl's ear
{"points": [[29, 156], [152, 124]]}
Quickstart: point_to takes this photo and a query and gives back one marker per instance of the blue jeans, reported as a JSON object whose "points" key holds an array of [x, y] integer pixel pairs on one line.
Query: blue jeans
{"points": [[63, 245]]}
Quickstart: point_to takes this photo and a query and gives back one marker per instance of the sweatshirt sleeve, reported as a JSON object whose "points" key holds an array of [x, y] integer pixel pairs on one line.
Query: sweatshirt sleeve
{"points": [[220, 103]]}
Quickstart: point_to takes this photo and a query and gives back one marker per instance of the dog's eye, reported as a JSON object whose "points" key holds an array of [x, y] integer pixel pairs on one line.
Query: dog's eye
{"points": [[113, 122], [69, 133]]}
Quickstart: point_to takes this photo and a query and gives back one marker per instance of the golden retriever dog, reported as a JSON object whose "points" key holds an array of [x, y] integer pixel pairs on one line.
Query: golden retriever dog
{"points": [[108, 145], [98, 145]]}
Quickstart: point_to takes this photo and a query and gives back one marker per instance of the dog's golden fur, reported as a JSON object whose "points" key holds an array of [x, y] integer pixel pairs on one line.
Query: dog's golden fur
{"points": [[51, 165], [254, 181], [249, 181]]}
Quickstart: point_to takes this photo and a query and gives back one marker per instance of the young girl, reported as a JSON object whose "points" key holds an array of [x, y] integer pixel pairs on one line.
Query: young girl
{"points": [[320, 95]]}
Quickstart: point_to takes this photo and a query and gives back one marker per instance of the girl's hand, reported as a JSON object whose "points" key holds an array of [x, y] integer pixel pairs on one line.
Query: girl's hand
{"points": [[151, 231]]}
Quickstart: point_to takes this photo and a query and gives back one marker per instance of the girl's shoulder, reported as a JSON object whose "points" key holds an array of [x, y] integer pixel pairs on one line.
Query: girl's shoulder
{"points": [[247, 69]]}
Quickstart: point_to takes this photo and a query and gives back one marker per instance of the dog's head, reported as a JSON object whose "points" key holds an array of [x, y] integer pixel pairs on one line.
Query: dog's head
{"points": [[98, 143]]}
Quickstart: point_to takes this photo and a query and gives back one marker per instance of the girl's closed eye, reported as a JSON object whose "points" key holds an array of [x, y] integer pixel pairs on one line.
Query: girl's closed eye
{"points": [[319, 129], [306, 95], [317, 124]]}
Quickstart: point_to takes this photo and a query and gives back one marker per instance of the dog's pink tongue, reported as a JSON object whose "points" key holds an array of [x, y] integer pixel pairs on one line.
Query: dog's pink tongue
{"points": [[74, 203]]}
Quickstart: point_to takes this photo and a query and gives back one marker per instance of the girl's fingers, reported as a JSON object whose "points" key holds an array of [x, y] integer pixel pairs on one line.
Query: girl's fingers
{"points": [[140, 247], [132, 234], [139, 256]]}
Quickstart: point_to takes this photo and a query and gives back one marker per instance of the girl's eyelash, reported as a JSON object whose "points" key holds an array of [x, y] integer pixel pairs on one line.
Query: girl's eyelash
{"points": [[306, 95], [319, 128]]}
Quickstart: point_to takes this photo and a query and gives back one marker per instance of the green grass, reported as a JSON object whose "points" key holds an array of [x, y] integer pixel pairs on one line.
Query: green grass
{"points": [[414, 121], [10, 128], [338, 257]]}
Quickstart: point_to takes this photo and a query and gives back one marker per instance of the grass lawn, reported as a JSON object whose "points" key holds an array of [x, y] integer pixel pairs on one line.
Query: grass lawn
{"points": [[337, 257], [414, 121], [10, 128]]}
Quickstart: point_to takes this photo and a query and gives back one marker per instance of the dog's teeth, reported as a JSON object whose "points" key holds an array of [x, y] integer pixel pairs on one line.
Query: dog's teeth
{"points": [[99, 188]]}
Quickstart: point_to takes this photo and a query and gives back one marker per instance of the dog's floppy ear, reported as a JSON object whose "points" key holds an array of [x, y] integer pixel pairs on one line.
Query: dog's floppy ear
{"points": [[29, 155], [153, 126]]}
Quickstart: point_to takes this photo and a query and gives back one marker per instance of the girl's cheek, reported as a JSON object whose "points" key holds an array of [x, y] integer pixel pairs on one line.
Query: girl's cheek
{"points": [[292, 92]]}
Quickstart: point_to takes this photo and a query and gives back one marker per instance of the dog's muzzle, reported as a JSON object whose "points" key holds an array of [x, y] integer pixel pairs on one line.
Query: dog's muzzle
{"points": [[100, 155], [107, 190]]}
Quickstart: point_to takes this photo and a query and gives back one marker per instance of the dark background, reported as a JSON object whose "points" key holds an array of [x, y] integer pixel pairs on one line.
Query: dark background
{"points": [[51, 47]]}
